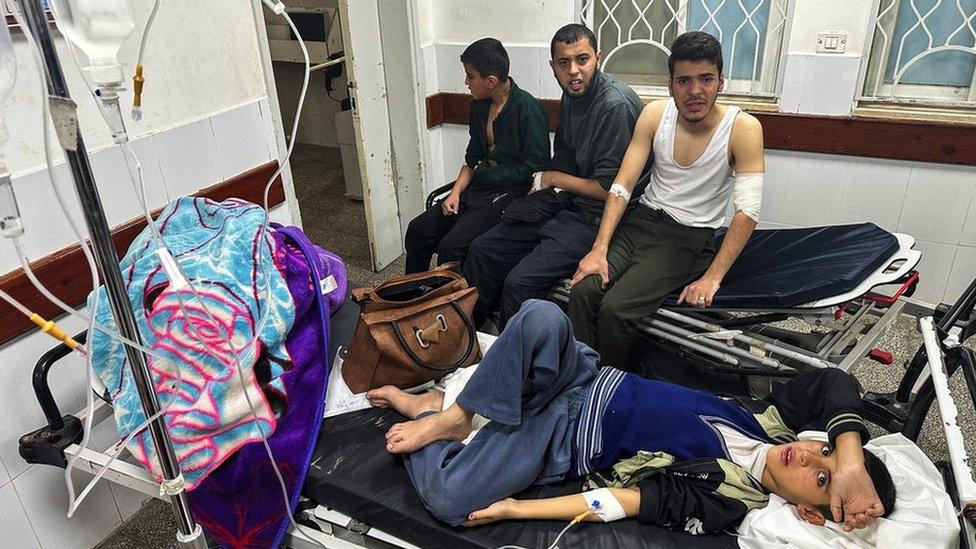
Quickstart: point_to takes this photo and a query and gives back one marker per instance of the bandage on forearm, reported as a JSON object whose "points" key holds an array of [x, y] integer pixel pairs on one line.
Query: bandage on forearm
{"points": [[619, 190], [747, 193], [604, 504]]}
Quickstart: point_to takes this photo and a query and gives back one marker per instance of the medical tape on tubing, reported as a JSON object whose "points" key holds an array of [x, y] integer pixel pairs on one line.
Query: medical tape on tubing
{"points": [[604, 504], [172, 487]]}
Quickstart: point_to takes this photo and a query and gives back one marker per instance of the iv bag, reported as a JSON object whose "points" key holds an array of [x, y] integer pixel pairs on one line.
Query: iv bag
{"points": [[98, 28]]}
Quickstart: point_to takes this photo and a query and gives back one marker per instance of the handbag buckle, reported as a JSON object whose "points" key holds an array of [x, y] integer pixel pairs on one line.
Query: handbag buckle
{"points": [[431, 334]]}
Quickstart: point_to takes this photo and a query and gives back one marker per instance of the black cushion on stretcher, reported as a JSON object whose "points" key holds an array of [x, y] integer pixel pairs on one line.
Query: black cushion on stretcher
{"points": [[353, 473], [782, 268]]}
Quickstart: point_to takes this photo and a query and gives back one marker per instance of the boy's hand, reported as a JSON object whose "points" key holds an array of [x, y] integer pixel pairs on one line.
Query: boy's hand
{"points": [[451, 204], [500, 510], [852, 491]]}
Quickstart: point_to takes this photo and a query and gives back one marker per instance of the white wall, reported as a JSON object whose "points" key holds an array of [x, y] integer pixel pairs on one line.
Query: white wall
{"points": [[935, 203], [207, 117]]}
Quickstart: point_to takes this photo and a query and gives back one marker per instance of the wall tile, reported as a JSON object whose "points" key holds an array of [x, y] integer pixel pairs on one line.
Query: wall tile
{"points": [[281, 214], [4, 475], [776, 185], [187, 157], [548, 86], [969, 227], [820, 84], [268, 119], [450, 72], [16, 528], [524, 67], [152, 174], [875, 192], [127, 500], [435, 171], [815, 192], [239, 135], [770, 225], [95, 518], [937, 201], [429, 53], [934, 267], [962, 274], [37, 202], [115, 186]]}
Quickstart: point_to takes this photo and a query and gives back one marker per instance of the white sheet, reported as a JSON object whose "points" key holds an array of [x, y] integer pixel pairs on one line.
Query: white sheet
{"points": [[923, 515], [339, 399]]}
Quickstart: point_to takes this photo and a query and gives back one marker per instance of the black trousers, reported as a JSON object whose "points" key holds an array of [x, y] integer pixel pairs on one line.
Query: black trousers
{"points": [[516, 261], [450, 235]]}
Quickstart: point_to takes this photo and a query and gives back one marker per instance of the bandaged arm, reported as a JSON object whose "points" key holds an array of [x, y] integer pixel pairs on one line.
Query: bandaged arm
{"points": [[747, 151]]}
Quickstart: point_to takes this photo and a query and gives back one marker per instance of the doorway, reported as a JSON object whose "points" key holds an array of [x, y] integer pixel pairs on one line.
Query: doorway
{"points": [[355, 195]]}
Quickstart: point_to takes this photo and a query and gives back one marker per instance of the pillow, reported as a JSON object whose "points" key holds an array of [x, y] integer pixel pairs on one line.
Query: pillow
{"points": [[923, 516]]}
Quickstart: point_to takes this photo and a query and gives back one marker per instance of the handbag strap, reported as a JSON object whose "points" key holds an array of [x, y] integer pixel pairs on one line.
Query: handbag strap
{"points": [[469, 325], [359, 295]]}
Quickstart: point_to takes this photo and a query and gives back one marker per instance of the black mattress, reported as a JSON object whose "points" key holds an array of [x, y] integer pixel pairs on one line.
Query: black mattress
{"points": [[781, 268], [353, 474]]}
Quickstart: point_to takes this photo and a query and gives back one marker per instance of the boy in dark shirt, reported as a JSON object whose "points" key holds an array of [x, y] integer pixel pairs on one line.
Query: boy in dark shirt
{"points": [[543, 236], [667, 455], [509, 140]]}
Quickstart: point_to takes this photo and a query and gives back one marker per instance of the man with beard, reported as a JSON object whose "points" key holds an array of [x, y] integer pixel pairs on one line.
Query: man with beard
{"points": [[543, 236], [667, 241]]}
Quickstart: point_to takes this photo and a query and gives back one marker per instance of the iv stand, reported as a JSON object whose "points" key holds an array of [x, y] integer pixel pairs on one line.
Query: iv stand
{"points": [[190, 534]]}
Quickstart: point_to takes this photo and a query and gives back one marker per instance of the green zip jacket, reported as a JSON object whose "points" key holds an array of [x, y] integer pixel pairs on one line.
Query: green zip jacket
{"points": [[521, 132]]}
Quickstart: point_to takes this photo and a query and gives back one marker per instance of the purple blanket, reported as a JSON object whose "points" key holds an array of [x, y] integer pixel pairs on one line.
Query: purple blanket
{"points": [[241, 502], [197, 324]]}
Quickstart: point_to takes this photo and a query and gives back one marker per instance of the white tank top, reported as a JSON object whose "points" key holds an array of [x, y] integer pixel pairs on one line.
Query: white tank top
{"points": [[696, 195]]}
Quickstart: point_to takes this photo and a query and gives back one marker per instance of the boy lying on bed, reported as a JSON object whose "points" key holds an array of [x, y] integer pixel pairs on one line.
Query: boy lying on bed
{"points": [[662, 453]]}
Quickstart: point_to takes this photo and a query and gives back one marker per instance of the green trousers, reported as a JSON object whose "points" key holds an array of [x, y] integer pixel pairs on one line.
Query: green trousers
{"points": [[650, 256]]}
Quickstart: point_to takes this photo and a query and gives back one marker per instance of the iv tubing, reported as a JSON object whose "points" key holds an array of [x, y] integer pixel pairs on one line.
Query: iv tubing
{"points": [[264, 318], [137, 80], [85, 184], [247, 348]]}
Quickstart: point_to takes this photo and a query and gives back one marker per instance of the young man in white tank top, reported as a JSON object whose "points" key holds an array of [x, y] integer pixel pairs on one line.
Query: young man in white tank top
{"points": [[667, 241]]}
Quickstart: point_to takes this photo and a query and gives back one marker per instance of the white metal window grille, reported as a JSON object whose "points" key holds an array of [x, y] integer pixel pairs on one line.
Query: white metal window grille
{"points": [[923, 53], [635, 37]]}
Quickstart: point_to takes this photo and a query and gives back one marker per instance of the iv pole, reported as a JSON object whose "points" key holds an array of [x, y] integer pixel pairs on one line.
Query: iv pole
{"points": [[190, 533]]}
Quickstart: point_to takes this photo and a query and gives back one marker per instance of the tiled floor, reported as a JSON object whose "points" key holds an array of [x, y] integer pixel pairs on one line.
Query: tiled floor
{"points": [[339, 224]]}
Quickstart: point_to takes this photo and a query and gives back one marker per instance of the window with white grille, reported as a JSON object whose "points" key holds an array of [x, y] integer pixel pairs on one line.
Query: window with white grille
{"points": [[635, 35], [923, 53]]}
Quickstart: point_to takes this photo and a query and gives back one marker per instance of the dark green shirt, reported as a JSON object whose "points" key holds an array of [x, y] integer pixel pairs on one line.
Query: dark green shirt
{"points": [[521, 132]]}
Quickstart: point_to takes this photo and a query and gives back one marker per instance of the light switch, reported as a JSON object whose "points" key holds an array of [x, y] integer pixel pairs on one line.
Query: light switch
{"points": [[831, 42]]}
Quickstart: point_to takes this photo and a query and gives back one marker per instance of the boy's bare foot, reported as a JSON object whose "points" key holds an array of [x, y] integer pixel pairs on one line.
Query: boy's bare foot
{"points": [[405, 403], [451, 424]]}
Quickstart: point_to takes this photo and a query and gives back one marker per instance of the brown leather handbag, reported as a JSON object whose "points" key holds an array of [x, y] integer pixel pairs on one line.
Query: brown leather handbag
{"points": [[412, 329]]}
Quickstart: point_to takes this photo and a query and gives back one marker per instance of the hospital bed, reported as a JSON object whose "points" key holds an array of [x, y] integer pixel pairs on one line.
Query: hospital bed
{"points": [[825, 277], [357, 495]]}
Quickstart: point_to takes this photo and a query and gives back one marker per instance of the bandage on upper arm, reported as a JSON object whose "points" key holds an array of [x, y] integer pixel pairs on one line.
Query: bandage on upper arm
{"points": [[747, 193]]}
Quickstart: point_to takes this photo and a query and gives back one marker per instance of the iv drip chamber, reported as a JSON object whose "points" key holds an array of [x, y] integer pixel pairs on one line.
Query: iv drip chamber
{"points": [[98, 28]]}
